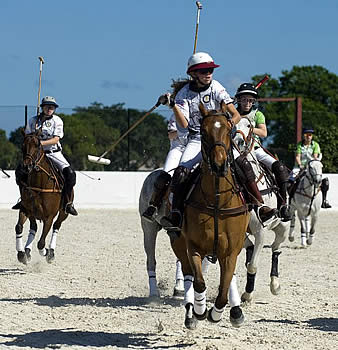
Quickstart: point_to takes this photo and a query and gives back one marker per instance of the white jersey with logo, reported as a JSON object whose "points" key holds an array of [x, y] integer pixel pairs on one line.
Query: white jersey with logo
{"points": [[188, 102], [50, 128]]}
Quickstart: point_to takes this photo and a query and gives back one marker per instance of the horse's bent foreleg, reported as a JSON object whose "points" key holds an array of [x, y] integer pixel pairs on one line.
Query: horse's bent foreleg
{"points": [[47, 224]]}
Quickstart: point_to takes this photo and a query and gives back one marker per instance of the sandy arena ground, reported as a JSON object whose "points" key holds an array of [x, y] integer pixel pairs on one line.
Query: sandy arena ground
{"points": [[95, 294]]}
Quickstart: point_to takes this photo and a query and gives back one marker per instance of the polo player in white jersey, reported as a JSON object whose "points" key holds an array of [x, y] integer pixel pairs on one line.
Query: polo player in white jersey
{"points": [[202, 89], [51, 126]]}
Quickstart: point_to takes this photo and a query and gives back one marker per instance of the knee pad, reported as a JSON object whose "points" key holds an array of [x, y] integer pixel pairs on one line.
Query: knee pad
{"points": [[163, 180], [181, 174], [245, 168], [325, 184], [280, 171], [70, 176]]}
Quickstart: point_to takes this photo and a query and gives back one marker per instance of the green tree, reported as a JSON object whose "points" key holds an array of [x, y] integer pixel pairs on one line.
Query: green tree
{"points": [[9, 152], [317, 87]]}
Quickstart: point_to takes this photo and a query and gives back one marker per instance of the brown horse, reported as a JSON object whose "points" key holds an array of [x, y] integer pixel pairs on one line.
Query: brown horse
{"points": [[214, 225], [41, 199]]}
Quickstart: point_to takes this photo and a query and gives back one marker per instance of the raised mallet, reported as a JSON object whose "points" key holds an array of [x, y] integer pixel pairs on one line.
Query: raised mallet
{"points": [[42, 61]]}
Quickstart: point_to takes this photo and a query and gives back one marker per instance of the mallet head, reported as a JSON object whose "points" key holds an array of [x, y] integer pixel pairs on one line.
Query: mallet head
{"points": [[41, 59], [199, 5]]}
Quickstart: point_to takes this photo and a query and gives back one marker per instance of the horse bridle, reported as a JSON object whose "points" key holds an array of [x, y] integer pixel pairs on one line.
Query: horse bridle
{"points": [[208, 148], [34, 158]]}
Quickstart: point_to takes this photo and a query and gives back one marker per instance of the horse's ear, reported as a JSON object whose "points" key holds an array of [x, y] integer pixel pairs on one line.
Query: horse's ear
{"points": [[224, 107], [203, 110]]}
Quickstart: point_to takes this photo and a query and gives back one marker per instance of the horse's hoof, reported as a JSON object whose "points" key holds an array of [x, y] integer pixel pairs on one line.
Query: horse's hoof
{"points": [[275, 287], [209, 317], [28, 254], [309, 241], [201, 317], [236, 316], [22, 257], [190, 323], [50, 256], [291, 238], [246, 297]]}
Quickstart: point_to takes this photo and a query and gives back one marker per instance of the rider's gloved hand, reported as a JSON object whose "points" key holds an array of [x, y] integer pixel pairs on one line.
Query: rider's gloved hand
{"points": [[167, 100]]}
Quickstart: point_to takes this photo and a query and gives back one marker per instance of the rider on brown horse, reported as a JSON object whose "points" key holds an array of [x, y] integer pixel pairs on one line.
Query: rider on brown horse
{"points": [[202, 89], [51, 127]]}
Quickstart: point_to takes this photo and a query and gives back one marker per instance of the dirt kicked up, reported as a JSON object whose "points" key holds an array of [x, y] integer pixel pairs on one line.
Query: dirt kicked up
{"points": [[95, 294]]}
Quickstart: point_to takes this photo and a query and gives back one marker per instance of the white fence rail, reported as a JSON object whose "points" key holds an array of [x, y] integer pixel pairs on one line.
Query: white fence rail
{"points": [[104, 189]]}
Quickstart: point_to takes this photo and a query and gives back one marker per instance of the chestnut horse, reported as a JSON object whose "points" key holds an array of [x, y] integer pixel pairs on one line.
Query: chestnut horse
{"points": [[41, 199], [214, 225]]}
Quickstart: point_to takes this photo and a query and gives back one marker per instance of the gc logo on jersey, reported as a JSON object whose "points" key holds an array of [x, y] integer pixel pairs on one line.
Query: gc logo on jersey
{"points": [[206, 98], [48, 124]]}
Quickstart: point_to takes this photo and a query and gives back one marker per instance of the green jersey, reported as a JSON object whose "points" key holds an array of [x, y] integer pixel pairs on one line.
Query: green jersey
{"points": [[256, 117], [307, 151]]}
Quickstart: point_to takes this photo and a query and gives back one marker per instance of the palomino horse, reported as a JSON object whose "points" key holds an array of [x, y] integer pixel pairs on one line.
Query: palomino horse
{"points": [[215, 222], [41, 199], [244, 143], [307, 202]]}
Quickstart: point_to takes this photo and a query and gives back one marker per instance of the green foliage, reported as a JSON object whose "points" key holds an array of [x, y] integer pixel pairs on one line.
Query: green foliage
{"points": [[9, 153], [317, 87]]}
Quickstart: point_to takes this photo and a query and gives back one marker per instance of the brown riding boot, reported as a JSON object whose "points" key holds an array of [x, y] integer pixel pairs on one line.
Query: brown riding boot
{"points": [[263, 212]]}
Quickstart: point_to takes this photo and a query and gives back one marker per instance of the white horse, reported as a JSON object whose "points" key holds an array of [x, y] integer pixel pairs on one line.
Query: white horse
{"points": [[256, 228], [306, 201]]}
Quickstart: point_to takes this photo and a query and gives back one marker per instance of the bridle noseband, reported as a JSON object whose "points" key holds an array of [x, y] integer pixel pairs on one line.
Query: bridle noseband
{"points": [[208, 148], [33, 157]]}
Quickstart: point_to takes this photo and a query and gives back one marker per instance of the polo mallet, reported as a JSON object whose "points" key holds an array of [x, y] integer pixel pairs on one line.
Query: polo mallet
{"points": [[42, 61], [199, 8], [5, 173], [105, 161], [260, 83]]}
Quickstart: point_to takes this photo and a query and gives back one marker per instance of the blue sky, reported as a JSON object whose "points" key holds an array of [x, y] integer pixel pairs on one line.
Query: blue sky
{"points": [[128, 51]]}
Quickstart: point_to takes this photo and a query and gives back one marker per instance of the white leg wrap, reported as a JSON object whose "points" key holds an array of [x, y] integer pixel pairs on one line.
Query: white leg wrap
{"points": [[188, 290], [19, 244], [216, 314], [234, 298], [303, 239], [153, 290], [179, 273], [52, 244], [205, 266], [200, 302], [30, 239]]}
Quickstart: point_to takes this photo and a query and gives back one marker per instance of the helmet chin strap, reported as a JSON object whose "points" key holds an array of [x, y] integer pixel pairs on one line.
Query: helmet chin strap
{"points": [[198, 81]]}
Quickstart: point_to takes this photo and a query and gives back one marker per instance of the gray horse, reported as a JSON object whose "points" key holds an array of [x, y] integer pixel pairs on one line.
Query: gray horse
{"points": [[150, 231]]}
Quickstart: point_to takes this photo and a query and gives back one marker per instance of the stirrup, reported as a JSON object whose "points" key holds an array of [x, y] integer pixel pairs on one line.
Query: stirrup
{"points": [[149, 213], [173, 222], [69, 209], [284, 213]]}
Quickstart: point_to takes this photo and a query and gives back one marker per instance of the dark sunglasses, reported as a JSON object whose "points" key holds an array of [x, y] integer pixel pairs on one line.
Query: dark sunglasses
{"points": [[205, 70]]}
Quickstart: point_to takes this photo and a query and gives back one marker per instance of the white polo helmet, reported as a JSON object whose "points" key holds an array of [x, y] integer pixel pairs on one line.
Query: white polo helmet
{"points": [[200, 60], [49, 100]]}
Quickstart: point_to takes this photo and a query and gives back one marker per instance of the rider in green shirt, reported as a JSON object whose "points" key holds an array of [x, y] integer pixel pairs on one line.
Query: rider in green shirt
{"points": [[308, 149]]}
